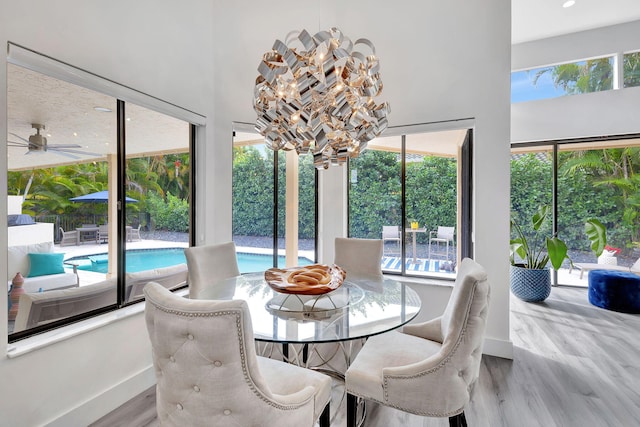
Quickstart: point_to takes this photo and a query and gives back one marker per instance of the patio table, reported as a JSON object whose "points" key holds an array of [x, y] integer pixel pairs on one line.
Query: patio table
{"points": [[83, 232]]}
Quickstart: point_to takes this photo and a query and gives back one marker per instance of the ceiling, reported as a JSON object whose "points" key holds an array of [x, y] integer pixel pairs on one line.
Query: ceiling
{"points": [[69, 115], [538, 19]]}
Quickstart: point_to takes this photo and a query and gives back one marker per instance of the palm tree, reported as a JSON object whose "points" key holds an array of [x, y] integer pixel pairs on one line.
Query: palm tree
{"points": [[614, 167], [592, 75]]}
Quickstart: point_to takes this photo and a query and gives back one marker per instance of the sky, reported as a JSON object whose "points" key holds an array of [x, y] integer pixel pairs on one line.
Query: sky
{"points": [[523, 89]]}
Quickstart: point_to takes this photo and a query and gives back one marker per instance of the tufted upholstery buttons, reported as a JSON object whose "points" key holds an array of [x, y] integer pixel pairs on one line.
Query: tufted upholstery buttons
{"points": [[460, 373], [210, 343]]}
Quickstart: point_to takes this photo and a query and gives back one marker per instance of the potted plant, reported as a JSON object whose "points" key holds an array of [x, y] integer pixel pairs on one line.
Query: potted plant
{"points": [[530, 279]]}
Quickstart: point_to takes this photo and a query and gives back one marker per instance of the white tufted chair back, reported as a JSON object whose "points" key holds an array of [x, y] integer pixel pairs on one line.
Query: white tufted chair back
{"points": [[359, 257], [208, 373], [429, 368], [210, 263]]}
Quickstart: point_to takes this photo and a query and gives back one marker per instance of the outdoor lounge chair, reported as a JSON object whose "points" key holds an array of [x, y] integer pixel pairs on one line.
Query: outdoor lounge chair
{"points": [[588, 266]]}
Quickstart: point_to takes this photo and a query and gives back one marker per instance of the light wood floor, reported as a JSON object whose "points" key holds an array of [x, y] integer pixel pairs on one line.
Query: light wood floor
{"points": [[574, 365]]}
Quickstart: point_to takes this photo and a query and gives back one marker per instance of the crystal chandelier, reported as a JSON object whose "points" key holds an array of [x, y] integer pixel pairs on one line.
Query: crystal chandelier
{"points": [[319, 96]]}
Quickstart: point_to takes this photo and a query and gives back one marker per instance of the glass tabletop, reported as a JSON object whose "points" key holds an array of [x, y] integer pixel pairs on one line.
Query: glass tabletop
{"points": [[361, 307]]}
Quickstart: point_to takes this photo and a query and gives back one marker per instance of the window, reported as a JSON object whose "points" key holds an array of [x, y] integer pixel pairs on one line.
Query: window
{"points": [[631, 69], [73, 153], [274, 204], [405, 190], [592, 75], [583, 180]]}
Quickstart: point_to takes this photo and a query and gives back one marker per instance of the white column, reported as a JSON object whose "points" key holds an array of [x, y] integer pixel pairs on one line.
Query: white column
{"points": [[292, 204]]}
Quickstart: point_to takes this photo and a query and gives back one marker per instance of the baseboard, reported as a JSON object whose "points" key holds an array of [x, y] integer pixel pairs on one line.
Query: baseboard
{"points": [[100, 405], [498, 348]]}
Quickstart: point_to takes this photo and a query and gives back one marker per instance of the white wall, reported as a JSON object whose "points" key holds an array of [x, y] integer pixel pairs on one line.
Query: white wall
{"points": [[440, 61], [613, 112]]}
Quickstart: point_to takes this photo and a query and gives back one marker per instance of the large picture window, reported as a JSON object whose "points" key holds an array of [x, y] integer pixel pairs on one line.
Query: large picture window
{"points": [[99, 197], [411, 191], [274, 205], [580, 180]]}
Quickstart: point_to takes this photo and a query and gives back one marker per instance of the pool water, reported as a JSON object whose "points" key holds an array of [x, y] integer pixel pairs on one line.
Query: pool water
{"points": [[148, 259]]}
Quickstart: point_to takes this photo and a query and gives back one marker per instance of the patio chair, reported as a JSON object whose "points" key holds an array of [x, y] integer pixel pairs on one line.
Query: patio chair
{"points": [[208, 372], [442, 235], [391, 233], [103, 233], [68, 237], [133, 233]]}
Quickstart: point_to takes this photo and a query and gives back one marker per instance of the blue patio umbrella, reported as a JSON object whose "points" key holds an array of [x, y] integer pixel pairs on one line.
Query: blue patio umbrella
{"points": [[99, 197]]}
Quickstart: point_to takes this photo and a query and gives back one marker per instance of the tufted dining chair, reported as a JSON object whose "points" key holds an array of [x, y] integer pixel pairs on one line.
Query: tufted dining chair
{"points": [[428, 369], [210, 263], [208, 373], [359, 257]]}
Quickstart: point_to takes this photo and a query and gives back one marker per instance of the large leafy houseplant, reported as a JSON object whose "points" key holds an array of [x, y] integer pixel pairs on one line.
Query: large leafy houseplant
{"points": [[536, 252], [529, 276]]}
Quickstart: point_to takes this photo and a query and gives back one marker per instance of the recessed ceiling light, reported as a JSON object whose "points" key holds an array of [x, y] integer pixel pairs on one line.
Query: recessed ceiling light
{"points": [[568, 3], [103, 109]]}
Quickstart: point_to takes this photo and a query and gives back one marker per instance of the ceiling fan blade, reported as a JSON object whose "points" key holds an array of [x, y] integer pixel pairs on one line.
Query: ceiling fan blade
{"points": [[49, 146], [21, 138], [63, 153], [16, 144], [67, 150]]}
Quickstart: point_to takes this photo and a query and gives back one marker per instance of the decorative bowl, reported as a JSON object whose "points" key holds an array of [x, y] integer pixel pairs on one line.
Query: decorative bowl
{"points": [[315, 279]]}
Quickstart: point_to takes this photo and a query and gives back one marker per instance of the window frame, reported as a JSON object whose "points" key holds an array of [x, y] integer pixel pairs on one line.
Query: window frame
{"points": [[46, 65]]}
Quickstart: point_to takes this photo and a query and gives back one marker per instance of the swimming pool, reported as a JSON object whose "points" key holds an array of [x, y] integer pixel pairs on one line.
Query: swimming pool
{"points": [[147, 259]]}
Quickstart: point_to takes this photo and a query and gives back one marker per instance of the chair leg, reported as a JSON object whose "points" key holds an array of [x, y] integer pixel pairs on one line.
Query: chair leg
{"points": [[458, 420], [351, 410], [325, 417]]}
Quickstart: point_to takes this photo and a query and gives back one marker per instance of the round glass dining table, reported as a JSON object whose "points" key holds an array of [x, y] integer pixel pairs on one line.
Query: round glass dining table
{"points": [[359, 308]]}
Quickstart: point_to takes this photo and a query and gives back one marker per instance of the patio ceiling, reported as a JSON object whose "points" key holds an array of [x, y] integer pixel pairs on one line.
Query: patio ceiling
{"points": [[69, 115], [442, 143]]}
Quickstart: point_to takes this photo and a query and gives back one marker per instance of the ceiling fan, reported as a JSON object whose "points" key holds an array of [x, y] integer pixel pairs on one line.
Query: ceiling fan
{"points": [[38, 143]]}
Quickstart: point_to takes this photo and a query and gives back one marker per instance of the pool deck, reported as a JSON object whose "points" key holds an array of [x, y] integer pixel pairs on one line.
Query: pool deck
{"points": [[89, 277]]}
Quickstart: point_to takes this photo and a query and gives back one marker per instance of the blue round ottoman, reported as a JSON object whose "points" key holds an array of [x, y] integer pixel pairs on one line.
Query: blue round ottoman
{"points": [[615, 290]]}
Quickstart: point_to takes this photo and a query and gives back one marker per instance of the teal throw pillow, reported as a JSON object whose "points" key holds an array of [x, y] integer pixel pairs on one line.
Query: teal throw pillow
{"points": [[42, 264]]}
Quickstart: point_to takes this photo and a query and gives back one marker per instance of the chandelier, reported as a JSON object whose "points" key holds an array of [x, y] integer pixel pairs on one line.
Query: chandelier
{"points": [[319, 96]]}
